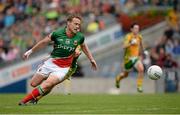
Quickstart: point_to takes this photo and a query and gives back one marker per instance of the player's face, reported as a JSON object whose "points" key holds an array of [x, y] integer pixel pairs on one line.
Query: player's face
{"points": [[74, 25], [135, 29]]}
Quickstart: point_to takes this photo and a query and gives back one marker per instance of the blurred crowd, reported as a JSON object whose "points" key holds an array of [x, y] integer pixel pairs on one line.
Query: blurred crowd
{"points": [[166, 51], [24, 22]]}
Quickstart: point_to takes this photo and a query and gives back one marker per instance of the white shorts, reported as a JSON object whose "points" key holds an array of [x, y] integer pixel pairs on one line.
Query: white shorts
{"points": [[50, 68]]}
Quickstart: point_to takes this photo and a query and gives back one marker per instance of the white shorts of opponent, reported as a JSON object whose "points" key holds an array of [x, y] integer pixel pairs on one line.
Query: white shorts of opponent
{"points": [[48, 67]]}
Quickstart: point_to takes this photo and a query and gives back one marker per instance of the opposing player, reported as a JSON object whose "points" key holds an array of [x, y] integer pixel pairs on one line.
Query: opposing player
{"points": [[133, 50], [55, 69]]}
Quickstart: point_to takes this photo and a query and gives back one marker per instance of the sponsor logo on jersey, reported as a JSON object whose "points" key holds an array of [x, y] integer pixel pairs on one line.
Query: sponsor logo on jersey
{"points": [[65, 47], [60, 40], [75, 42], [39, 70], [67, 41]]}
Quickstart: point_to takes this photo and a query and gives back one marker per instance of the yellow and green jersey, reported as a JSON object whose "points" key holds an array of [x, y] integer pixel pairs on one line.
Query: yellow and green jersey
{"points": [[132, 52]]}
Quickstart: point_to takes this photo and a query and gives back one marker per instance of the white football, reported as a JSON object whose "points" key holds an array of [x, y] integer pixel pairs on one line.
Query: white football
{"points": [[154, 72]]}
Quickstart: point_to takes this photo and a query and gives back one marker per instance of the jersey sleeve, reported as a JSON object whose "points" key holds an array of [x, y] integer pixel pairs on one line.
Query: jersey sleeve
{"points": [[82, 40], [53, 35], [141, 38], [126, 40]]}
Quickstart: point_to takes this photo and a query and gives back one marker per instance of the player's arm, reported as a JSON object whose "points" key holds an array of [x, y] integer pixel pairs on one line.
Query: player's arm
{"points": [[141, 52], [127, 42], [126, 45], [41, 44], [78, 51], [87, 52]]}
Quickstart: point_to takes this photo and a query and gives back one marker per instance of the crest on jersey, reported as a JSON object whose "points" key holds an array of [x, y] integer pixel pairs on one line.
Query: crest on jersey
{"points": [[39, 70], [67, 41], [60, 40], [75, 42]]}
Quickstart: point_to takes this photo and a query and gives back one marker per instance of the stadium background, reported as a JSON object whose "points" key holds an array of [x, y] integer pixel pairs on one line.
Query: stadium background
{"points": [[24, 22]]}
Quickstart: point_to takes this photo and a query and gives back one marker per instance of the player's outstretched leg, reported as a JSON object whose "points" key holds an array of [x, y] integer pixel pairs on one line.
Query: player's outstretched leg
{"points": [[35, 93], [47, 85], [140, 69], [36, 80], [119, 78], [69, 74], [35, 101]]}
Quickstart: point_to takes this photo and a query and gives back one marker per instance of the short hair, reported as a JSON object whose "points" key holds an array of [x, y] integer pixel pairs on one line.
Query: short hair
{"points": [[71, 16], [133, 24]]}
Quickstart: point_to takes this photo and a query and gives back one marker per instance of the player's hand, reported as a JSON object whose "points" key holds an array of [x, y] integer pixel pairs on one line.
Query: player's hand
{"points": [[94, 65], [77, 52], [27, 54], [133, 42]]}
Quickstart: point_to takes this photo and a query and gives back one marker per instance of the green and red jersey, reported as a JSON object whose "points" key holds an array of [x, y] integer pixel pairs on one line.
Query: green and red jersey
{"points": [[64, 47]]}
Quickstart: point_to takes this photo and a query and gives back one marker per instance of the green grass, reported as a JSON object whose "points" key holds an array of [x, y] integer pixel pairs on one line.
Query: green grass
{"points": [[98, 104]]}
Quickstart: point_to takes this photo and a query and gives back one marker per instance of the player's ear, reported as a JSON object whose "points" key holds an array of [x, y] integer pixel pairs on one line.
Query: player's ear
{"points": [[68, 22], [131, 29]]}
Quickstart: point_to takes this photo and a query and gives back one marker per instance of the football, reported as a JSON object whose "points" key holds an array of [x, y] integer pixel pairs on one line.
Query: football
{"points": [[154, 72]]}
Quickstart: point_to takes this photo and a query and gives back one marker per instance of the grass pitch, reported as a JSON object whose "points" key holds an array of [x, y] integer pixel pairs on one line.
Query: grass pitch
{"points": [[94, 104]]}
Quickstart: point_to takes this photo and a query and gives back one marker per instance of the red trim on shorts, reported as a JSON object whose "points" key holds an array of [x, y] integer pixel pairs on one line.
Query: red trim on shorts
{"points": [[63, 62]]}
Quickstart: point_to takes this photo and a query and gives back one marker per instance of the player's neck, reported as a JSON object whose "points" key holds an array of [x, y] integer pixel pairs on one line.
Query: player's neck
{"points": [[134, 34], [69, 33]]}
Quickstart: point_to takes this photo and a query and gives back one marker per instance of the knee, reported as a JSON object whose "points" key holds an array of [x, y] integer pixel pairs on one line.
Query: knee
{"points": [[46, 86], [33, 84], [141, 70], [125, 74]]}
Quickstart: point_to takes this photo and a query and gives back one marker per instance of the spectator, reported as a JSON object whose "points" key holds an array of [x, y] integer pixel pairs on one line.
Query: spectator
{"points": [[52, 13], [12, 53], [173, 19], [169, 62], [153, 56], [129, 5], [2, 55], [169, 46], [9, 19], [146, 59], [93, 25], [176, 48], [1, 42], [1, 20], [161, 57], [168, 33], [101, 24]]}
